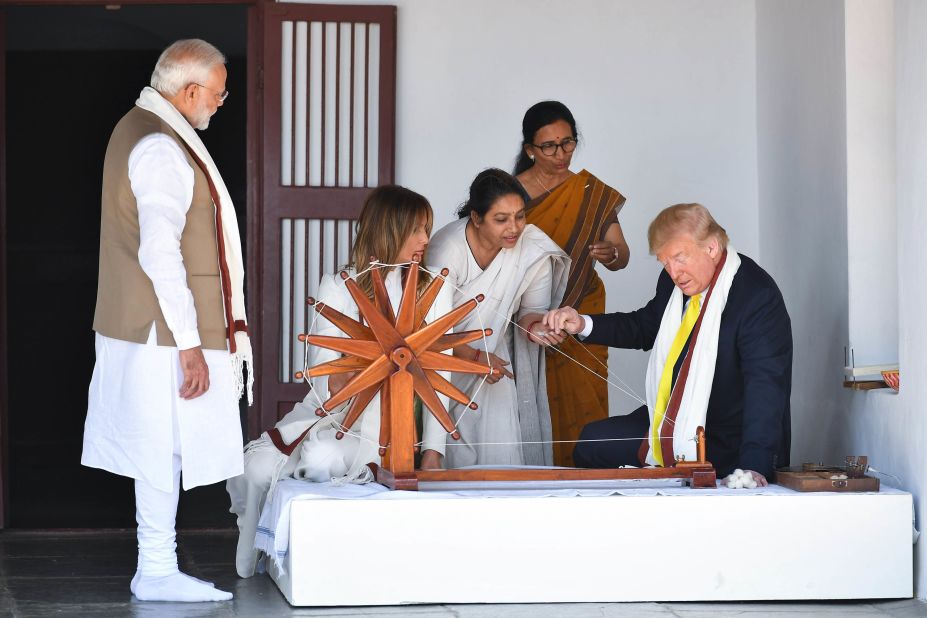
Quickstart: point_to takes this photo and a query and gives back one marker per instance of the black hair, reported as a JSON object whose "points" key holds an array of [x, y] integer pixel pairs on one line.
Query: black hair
{"points": [[488, 186], [540, 115]]}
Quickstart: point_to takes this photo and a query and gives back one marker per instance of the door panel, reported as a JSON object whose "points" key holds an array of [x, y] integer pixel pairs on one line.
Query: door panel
{"points": [[328, 139]]}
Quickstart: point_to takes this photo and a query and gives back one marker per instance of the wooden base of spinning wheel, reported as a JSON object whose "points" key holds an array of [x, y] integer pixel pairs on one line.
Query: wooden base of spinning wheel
{"points": [[698, 475]]}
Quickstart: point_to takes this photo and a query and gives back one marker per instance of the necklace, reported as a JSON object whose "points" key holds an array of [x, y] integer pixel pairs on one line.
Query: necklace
{"points": [[537, 179]]}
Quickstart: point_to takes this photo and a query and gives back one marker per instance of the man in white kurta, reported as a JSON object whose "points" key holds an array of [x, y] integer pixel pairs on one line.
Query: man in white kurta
{"points": [[170, 326]]}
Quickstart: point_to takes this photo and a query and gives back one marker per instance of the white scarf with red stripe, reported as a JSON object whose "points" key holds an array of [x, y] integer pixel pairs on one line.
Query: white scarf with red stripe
{"points": [[152, 101], [694, 405]]}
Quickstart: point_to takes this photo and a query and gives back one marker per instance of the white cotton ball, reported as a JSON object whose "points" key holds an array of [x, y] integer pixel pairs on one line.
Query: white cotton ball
{"points": [[738, 472], [736, 484], [751, 484], [729, 480]]}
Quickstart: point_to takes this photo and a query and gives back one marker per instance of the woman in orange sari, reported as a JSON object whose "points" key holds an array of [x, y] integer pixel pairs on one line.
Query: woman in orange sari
{"points": [[580, 213]]}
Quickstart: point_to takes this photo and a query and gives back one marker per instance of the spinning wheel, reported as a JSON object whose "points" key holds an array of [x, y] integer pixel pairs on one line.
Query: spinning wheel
{"points": [[396, 355], [399, 355]]}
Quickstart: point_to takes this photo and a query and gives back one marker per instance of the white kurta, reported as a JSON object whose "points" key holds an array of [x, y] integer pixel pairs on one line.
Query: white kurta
{"points": [[529, 278], [133, 400]]}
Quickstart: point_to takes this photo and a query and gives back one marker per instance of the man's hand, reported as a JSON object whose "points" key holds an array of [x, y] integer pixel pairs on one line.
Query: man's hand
{"points": [[195, 373], [738, 476], [537, 332], [564, 319]]}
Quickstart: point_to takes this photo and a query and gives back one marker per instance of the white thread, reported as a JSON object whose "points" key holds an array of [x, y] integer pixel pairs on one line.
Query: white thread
{"points": [[377, 264], [629, 392], [871, 469]]}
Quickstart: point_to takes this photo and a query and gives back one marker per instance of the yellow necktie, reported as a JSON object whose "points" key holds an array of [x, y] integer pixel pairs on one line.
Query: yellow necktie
{"points": [[666, 380]]}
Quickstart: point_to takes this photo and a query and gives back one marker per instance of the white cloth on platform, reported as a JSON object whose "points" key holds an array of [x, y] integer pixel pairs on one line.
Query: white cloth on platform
{"points": [[531, 277], [346, 459], [134, 387]]}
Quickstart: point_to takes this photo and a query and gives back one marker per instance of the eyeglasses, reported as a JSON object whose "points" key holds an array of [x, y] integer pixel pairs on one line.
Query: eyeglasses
{"points": [[550, 148], [222, 96]]}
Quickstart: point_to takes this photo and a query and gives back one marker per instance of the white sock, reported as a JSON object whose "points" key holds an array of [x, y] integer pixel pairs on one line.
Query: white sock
{"points": [[138, 574], [177, 587]]}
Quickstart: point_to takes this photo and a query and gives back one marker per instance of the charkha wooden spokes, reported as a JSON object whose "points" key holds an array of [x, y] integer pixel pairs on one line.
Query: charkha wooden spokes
{"points": [[397, 354], [385, 352]]}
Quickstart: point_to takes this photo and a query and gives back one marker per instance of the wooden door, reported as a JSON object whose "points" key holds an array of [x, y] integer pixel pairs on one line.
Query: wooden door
{"points": [[4, 440], [328, 105]]}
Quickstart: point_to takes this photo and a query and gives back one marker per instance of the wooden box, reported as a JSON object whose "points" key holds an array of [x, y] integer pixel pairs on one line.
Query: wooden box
{"points": [[824, 478]]}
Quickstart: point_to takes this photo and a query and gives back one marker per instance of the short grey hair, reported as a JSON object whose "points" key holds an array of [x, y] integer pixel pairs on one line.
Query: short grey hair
{"points": [[184, 62]]}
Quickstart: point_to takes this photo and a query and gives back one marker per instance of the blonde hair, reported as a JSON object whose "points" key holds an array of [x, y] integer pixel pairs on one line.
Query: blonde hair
{"points": [[184, 62], [692, 219], [388, 218]]}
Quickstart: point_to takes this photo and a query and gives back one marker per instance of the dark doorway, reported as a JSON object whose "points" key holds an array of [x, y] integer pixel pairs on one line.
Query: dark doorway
{"points": [[72, 72]]}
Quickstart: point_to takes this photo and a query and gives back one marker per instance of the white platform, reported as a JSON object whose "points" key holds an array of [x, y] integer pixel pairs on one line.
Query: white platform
{"points": [[708, 545]]}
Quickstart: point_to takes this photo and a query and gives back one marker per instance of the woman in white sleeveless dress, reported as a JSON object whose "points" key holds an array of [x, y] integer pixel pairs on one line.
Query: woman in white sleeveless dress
{"points": [[394, 225]]}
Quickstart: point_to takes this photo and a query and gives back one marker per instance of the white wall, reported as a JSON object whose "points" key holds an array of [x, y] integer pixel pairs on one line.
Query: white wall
{"points": [[817, 189], [871, 215], [663, 93], [902, 432], [892, 428], [801, 141]]}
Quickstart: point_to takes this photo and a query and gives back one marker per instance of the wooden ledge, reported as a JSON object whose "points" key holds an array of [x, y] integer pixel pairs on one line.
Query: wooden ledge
{"points": [[865, 385]]}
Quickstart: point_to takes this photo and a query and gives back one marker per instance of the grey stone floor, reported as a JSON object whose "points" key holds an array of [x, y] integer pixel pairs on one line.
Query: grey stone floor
{"points": [[77, 573]]}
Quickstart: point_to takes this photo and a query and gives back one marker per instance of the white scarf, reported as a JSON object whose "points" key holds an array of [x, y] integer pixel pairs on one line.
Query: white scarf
{"points": [[694, 405], [152, 101]]}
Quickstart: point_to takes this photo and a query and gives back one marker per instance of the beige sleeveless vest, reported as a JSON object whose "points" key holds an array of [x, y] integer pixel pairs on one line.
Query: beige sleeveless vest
{"points": [[126, 301]]}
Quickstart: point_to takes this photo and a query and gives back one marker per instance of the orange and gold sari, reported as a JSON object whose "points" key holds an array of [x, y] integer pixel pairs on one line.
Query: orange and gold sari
{"points": [[576, 214]]}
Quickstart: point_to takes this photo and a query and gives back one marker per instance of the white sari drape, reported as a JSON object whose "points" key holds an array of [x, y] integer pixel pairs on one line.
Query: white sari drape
{"points": [[513, 415]]}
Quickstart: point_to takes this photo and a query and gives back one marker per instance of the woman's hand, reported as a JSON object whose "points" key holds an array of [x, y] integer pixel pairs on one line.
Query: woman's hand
{"points": [[612, 251], [539, 333], [431, 460], [603, 251], [338, 381], [496, 363], [536, 330]]}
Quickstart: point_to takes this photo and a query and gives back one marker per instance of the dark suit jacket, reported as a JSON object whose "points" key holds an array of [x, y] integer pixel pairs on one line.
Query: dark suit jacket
{"points": [[748, 424]]}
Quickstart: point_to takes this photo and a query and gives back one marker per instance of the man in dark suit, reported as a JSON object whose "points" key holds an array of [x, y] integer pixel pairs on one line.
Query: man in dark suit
{"points": [[747, 421]]}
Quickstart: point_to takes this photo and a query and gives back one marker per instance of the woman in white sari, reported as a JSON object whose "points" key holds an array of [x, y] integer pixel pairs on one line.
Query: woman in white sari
{"points": [[522, 273], [394, 225]]}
